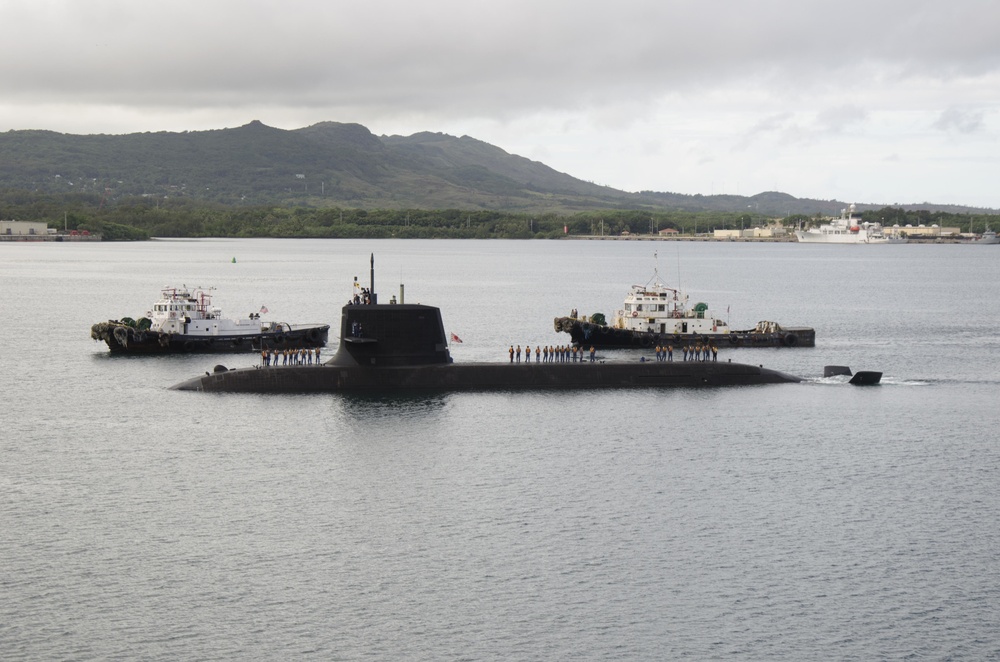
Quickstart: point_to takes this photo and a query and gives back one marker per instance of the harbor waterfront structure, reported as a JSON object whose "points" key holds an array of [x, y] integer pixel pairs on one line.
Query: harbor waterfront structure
{"points": [[23, 228], [770, 232], [780, 233], [37, 231]]}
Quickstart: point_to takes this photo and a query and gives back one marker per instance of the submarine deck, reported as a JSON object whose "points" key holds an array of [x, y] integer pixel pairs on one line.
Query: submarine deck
{"points": [[483, 376]]}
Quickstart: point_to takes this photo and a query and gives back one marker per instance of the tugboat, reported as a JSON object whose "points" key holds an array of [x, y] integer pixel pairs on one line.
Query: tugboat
{"points": [[655, 314], [398, 347], [184, 321]]}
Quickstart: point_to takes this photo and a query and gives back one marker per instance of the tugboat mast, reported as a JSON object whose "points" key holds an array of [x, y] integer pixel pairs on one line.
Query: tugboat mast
{"points": [[371, 288]]}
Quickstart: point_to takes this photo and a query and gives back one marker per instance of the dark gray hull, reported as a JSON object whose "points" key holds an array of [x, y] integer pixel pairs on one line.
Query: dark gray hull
{"points": [[585, 334], [330, 378], [127, 340]]}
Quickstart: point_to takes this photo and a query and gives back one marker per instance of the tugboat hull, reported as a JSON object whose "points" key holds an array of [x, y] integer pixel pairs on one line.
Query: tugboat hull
{"points": [[586, 334], [123, 339]]}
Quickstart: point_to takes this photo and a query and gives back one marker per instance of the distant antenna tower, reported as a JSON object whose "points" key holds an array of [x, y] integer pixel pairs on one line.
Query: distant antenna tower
{"points": [[107, 190]]}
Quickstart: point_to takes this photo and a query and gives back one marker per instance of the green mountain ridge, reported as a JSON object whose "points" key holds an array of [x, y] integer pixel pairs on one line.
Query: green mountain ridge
{"points": [[338, 165]]}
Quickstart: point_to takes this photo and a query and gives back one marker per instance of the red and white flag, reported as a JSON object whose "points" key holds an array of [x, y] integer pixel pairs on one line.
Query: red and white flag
{"points": [[263, 310], [455, 338]]}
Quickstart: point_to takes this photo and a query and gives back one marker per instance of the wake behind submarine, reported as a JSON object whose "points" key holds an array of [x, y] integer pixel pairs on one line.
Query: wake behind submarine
{"points": [[403, 347]]}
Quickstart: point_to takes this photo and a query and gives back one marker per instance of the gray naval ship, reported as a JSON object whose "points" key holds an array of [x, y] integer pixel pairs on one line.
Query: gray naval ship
{"points": [[395, 347]]}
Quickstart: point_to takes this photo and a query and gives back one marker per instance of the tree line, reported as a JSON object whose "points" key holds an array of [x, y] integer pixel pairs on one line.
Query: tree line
{"points": [[143, 217]]}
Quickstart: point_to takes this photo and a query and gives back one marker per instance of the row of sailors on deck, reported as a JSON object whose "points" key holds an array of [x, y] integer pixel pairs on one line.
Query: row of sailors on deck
{"points": [[549, 354], [301, 356], [567, 353], [698, 352]]}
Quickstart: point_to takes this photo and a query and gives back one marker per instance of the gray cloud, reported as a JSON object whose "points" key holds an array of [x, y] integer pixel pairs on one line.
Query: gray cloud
{"points": [[474, 56], [527, 75], [962, 121], [836, 120]]}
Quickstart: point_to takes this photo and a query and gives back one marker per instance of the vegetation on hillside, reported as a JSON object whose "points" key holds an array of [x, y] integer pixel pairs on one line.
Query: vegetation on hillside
{"points": [[337, 167], [140, 218], [325, 165]]}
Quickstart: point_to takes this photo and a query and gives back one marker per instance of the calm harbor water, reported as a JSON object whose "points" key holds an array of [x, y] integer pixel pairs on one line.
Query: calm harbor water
{"points": [[802, 521]]}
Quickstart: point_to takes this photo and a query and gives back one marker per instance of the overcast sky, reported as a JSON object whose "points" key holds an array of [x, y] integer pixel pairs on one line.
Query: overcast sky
{"points": [[880, 101]]}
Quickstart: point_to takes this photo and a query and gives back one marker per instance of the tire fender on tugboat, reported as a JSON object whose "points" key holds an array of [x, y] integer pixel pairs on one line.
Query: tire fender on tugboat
{"points": [[790, 340]]}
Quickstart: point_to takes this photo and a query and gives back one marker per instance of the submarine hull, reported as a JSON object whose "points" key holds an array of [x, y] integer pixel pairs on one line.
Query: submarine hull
{"points": [[329, 378]]}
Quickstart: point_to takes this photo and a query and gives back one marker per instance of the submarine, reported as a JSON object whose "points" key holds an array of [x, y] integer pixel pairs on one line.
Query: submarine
{"points": [[397, 347]]}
